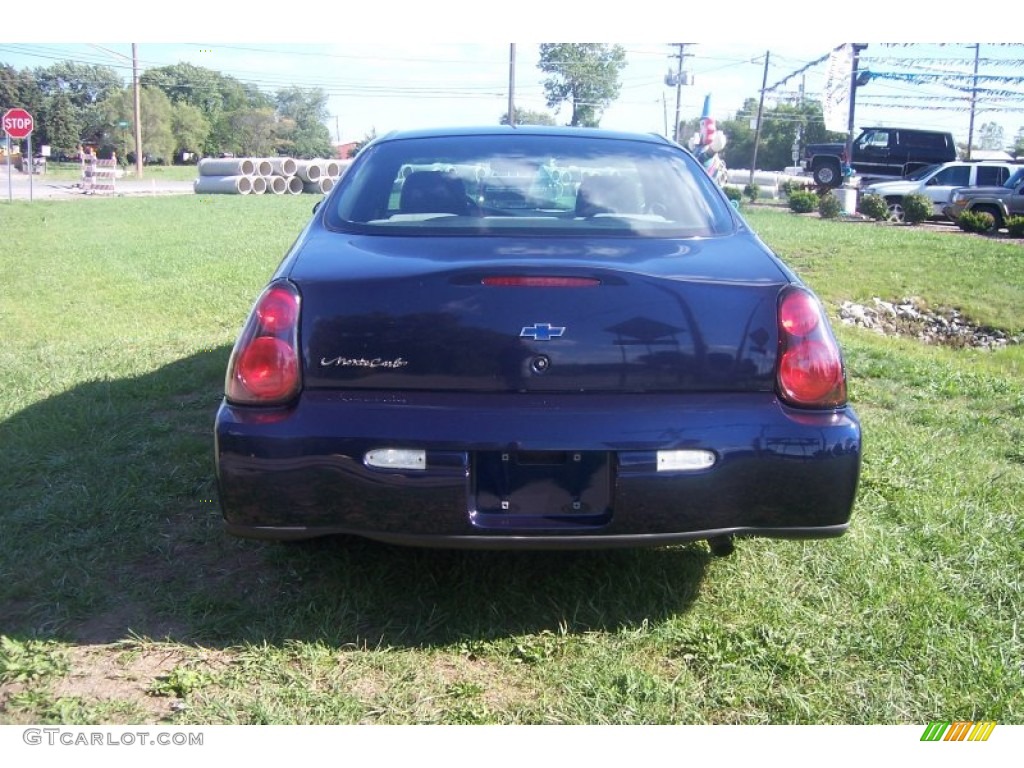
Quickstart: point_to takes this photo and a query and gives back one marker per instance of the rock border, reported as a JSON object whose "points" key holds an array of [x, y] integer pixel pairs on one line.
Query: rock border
{"points": [[912, 318]]}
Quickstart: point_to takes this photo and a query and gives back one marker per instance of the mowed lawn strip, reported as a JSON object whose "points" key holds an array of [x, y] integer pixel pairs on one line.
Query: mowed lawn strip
{"points": [[121, 600]]}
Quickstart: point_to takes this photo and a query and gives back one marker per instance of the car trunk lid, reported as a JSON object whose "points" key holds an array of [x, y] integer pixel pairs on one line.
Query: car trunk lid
{"points": [[639, 321]]}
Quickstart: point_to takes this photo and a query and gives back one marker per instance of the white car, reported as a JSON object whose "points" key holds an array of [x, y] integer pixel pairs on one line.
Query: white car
{"points": [[937, 181]]}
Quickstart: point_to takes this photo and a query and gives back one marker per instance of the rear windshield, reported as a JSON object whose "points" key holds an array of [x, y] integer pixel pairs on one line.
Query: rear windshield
{"points": [[528, 184]]}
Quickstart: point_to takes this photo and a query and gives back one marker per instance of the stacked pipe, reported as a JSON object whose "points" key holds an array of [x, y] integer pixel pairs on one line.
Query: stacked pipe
{"points": [[225, 176], [273, 175]]}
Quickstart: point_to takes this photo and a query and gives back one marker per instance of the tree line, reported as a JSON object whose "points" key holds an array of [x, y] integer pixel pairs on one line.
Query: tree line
{"points": [[186, 111], [191, 110]]}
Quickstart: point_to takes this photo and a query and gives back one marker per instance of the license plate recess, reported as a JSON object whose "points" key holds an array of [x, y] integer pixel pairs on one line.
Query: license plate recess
{"points": [[541, 487]]}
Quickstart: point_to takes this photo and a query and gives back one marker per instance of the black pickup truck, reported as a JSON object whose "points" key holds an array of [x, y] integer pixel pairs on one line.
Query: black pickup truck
{"points": [[879, 153]]}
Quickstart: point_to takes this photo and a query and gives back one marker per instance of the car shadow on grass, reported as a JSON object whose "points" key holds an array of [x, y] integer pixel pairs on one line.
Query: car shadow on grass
{"points": [[113, 532]]}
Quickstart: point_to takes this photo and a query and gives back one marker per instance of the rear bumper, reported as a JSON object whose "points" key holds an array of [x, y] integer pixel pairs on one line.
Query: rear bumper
{"points": [[299, 472]]}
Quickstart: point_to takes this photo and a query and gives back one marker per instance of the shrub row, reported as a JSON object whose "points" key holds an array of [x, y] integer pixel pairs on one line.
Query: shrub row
{"points": [[979, 222], [804, 201], [916, 208], [874, 207], [983, 222]]}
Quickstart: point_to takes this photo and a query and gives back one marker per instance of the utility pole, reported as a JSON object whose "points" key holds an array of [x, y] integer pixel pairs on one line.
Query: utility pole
{"points": [[138, 113], [974, 100], [512, 84], [678, 80], [760, 112], [850, 124]]}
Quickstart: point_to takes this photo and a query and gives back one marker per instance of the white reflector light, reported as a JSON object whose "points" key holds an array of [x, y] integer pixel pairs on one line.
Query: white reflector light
{"points": [[684, 461], [396, 458]]}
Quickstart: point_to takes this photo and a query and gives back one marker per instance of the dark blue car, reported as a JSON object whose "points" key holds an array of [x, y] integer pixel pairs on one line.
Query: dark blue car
{"points": [[534, 337]]}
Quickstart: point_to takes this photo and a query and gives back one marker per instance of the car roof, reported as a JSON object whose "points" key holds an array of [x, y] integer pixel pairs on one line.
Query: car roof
{"points": [[524, 130], [976, 162], [895, 128]]}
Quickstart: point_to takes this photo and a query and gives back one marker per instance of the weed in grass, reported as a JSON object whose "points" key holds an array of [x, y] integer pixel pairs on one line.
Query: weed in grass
{"points": [[23, 661], [180, 682], [39, 708]]}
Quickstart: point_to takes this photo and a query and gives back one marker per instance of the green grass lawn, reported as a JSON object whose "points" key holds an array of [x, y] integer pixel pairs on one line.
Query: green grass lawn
{"points": [[122, 601]]}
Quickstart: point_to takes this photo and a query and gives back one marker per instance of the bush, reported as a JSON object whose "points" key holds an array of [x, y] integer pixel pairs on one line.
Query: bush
{"points": [[1016, 226], [752, 191], [787, 188], [916, 208], [874, 207], [829, 206], [803, 201], [979, 222], [733, 193]]}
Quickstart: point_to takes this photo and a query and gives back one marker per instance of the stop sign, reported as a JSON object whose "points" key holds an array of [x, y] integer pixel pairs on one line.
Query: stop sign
{"points": [[18, 123]]}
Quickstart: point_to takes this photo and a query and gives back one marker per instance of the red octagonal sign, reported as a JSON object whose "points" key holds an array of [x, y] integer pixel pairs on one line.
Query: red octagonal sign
{"points": [[18, 123]]}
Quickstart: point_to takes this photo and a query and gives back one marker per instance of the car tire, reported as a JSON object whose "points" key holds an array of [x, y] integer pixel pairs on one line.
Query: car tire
{"points": [[894, 210], [828, 175], [997, 215]]}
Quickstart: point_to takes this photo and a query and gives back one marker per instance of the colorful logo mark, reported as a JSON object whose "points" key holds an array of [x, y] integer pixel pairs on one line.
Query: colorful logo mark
{"points": [[965, 730]]}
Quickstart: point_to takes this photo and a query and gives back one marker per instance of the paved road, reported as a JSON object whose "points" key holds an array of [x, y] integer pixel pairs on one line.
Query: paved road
{"points": [[42, 188]]}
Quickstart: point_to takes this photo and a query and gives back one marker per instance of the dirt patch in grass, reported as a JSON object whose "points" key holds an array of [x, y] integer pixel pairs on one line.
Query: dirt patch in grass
{"points": [[103, 683], [497, 691], [101, 674]]}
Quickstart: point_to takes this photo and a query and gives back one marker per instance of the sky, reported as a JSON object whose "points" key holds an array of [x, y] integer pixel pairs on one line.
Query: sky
{"points": [[406, 66]]}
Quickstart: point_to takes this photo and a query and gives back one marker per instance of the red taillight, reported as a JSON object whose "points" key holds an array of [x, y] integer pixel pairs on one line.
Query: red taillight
{"points": [[278, 310], [810, 366], [267, 368], [264, 365], [798, 314], [537, 281]]}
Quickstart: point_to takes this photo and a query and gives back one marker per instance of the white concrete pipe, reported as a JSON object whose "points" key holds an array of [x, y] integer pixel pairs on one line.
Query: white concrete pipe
{"points": [[332, 169], [308, 170], [282, 166], [263, 166], [226, 166], [277, 184], [259, 185], [319, 187], [295, 185], [223, 185]]}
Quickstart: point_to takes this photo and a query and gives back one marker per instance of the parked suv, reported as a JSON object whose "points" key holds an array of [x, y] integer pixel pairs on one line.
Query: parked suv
{"points": [[1002, 202], [880, 153], [937, 181]]}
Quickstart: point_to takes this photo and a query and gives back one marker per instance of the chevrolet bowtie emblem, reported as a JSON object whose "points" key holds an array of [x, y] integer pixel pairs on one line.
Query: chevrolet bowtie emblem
{"points": [[541, 332]]}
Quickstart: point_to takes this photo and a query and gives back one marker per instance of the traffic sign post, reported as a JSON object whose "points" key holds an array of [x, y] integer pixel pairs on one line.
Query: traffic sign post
{"points": [[18, 124]]}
